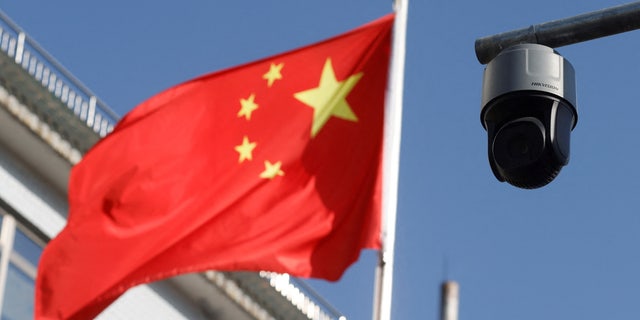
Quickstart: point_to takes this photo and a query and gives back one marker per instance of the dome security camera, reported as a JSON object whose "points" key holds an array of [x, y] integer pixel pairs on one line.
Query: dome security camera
{"points": [[529, 111]]}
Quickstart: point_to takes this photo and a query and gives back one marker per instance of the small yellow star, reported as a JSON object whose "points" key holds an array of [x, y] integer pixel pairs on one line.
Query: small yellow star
{"points": [[329, 98], [245, 149], [273, 74], [271, 170], [247, 107]]}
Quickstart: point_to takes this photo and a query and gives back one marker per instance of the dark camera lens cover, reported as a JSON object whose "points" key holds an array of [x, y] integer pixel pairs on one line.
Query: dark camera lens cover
{"points": [[519, 143]]}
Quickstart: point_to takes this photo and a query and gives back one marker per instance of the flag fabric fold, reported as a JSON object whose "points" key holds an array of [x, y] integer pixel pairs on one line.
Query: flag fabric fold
{"points": [[273, 165]]}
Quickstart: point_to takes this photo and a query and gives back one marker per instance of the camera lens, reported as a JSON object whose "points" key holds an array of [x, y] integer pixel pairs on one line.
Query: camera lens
{"points": [[519, 143]]}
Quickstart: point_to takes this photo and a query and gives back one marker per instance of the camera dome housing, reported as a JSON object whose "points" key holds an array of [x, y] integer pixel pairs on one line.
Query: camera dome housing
{"points": [[529, 111]]}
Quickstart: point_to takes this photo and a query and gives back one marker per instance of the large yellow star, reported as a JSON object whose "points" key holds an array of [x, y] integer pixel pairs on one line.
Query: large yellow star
{"points": [[247, 106], [329, 98], [271, 170], [273, 74], [245, 149]]}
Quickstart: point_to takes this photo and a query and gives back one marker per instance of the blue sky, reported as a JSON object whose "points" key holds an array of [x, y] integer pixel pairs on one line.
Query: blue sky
{"points": [[565, 251]]}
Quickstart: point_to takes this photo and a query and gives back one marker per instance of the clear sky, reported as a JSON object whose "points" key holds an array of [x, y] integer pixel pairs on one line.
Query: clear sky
{"points": [[566, 251]]}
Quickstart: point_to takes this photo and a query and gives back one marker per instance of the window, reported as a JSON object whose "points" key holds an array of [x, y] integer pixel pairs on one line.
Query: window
{"points": [[19, 256]]}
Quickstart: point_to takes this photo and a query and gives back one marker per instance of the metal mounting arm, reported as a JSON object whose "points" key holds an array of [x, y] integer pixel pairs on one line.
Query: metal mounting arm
{"points": [[565, 31]]}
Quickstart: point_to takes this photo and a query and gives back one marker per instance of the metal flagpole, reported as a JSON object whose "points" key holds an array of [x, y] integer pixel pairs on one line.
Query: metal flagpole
{"points": [[391, 163]]}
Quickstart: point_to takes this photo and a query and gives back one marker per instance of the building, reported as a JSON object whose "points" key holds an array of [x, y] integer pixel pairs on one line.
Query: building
{"points": [[48, 119]]}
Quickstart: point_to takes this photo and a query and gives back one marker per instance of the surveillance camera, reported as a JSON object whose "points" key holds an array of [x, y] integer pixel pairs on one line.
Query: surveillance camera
{"points": [[528, 110]]}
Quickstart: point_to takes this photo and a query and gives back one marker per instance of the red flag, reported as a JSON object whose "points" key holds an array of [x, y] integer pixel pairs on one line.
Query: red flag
{"points": [[274, 165]]}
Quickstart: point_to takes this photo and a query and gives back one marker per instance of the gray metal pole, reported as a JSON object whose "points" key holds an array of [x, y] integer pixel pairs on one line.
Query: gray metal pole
{"points": [[449, 300], [563, 32]]}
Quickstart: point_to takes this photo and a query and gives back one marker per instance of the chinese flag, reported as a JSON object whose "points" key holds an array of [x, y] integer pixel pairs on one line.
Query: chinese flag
{"points": [[273, 165]]}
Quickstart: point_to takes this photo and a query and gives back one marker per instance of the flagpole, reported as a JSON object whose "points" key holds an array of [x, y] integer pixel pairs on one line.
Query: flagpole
{"points": [[391, 164]]}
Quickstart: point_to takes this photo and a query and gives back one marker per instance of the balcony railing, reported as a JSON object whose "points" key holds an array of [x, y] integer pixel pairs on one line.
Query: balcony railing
{"points": [[15, 43]]}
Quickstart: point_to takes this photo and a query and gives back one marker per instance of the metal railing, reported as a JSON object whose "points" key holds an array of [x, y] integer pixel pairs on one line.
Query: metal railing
{"points": [[15, 43], [302, 296]]}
